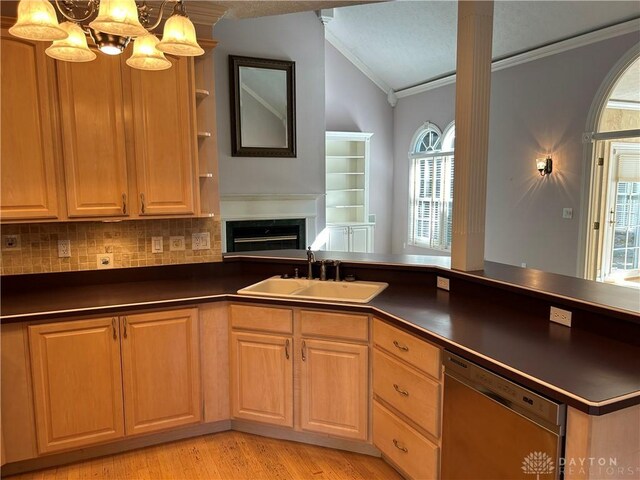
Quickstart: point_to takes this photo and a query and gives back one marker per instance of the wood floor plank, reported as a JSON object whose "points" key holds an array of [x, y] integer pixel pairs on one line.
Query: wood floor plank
{"points": [[225, 456]]}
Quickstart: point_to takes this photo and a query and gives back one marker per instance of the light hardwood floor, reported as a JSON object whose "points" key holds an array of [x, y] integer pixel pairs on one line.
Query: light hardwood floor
{"points": [[228, 456]]}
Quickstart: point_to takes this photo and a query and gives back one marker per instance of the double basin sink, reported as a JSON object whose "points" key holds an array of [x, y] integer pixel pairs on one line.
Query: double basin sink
{"points": [[356, 292]]}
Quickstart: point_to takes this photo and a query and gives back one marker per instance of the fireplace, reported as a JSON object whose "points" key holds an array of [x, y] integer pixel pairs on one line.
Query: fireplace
{"points": [[278, 234]]}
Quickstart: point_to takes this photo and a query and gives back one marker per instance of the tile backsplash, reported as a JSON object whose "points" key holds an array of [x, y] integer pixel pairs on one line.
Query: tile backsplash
{"points": [[128, 241]]}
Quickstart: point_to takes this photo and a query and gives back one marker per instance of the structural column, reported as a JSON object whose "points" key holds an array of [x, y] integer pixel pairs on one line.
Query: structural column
{"points": [[473, 89]]}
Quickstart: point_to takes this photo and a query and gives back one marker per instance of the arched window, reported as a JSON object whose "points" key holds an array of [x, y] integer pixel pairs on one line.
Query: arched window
{"points": [[431, 187]]}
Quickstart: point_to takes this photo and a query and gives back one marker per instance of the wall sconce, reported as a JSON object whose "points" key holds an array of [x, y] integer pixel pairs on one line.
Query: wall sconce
{"points": [[544, 165]]}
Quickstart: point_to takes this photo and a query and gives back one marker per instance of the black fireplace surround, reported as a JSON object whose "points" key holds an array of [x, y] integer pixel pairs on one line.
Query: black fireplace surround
{"points": [[253, 235]]}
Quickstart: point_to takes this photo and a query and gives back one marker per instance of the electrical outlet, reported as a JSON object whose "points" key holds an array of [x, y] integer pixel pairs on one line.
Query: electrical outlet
{"points": [[156, 245], [567, 213], [558, 315], [64, 248], [523, 264], [176, 244], [442, 283], [11, 242], [200, 241], [105, 260]]}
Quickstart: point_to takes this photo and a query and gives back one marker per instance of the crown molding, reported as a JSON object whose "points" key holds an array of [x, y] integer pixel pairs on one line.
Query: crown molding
{"points": [[359, 64], [606, 33], [204, 13]]}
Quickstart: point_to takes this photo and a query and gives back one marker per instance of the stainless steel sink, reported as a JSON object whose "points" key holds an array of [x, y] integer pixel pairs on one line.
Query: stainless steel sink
{"points": [[355, 292]]}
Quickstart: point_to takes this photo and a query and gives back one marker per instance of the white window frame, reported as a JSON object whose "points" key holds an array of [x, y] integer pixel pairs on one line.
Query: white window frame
{"points": [[446, 156]]}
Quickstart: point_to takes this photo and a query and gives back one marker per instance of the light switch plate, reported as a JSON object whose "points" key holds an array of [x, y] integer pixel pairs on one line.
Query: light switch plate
{"points": [[105, 260], [201, 241], [176, 244], [156, 245]]}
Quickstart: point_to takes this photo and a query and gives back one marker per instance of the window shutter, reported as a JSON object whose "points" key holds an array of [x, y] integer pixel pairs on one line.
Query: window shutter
{"points": [[629, 167]]}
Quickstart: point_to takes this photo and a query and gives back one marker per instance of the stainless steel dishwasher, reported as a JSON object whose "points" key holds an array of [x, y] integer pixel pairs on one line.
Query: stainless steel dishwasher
{"points": [[495, 429]]}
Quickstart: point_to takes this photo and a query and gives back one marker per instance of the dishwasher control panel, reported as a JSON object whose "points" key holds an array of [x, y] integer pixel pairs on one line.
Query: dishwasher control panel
{"points": [[505, 391]]}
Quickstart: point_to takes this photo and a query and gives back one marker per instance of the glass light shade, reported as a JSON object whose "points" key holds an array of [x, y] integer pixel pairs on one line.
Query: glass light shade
{"points": [[179, 37], [73, 48], [146, 56], [118, 17], [37, 21]]}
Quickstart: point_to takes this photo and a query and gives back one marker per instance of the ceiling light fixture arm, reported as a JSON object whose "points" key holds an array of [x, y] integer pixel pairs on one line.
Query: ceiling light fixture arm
{"points": [[68, 9]]}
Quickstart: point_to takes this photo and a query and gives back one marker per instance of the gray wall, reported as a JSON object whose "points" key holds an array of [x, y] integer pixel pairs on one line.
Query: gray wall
{"points": [[298, 37], [355, 104], [538, 107]]}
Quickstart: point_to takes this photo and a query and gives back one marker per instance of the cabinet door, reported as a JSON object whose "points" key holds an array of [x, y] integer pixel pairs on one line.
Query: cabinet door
{"points": [[165, 139], [160, 361], [27, 173], [361, 238], [95, 157], [334, 394], [338, 240], [77, 383], [262, 378]]}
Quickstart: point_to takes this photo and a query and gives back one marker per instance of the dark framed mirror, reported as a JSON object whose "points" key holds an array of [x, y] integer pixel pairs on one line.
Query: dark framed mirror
{"points": [[263, 107]]}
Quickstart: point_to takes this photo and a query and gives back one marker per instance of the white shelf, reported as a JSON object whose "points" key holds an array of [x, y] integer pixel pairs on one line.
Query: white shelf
{"points": [[345, 190], [345, 173], [346, 206], [341, 157]]}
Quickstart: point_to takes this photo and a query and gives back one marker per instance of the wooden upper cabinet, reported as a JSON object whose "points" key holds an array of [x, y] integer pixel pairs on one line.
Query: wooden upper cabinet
{"points": [[77, 383], [28, 177], [163, 106], [93, 132], [160, 358]]}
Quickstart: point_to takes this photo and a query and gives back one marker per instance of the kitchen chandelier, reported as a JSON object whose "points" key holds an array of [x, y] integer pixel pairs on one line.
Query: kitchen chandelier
{"points": [[117, 22]]}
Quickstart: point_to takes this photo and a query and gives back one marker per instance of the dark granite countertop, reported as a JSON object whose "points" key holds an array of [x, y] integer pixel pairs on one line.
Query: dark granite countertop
{"points": [[593, 373]]}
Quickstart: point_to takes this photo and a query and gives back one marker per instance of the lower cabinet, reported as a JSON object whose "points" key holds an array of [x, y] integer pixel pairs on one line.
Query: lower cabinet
{"points": [[407, 396], [82, 368], [333, 390], [262, 378], [331, 365], [350, 238]]}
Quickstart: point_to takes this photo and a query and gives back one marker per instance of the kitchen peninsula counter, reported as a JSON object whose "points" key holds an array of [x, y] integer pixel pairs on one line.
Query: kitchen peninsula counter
{"points": [[497, 318]]}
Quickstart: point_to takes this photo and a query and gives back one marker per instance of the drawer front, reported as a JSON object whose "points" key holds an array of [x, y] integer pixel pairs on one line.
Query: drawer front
{"points": [[416, 352], [266, 319], [414, 395], [334, 325], [404, 446]]}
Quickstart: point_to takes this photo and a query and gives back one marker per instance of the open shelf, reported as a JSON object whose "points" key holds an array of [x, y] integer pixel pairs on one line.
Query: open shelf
{"points": [[340, 157], [345, 206], [335, 190], [345, 173]]}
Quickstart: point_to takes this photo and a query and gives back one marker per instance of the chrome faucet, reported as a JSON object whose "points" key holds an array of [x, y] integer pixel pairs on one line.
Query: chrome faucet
{"points": [[311, 258], [323, 269], [336, 263]]}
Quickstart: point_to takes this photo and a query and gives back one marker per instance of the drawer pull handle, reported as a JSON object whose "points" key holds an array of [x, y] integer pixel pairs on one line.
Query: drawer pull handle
{"points": [[402, 392], [124, 203], [399, 346], [400, 447], [142, 206], [113, 326], [286, 349], [304, 351], [124, 321]]}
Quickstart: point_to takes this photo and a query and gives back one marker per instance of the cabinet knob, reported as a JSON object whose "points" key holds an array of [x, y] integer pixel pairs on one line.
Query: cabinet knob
{"points": [[142, 202]]}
